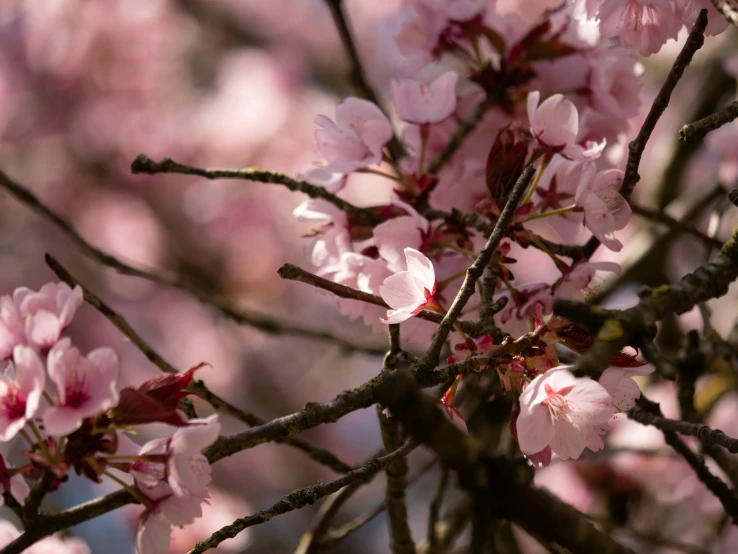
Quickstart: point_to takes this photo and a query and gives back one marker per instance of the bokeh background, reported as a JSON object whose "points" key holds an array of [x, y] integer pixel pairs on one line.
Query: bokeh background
{"points": [[86, 85]]}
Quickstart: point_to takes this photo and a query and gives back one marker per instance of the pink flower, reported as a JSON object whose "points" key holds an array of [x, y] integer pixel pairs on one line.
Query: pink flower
{"points": [[615, 83], [188, 471], [394, 235], [21, 387], [644, 24], [605, 209], [716, 22], [155, 523], [618, 381], [555, 125], [409, 292], [330, 237], [356, 138], [86, 386], [15, 485], [185, 470], [578, 281], [422, 103], [36, 318], [557, 410]]}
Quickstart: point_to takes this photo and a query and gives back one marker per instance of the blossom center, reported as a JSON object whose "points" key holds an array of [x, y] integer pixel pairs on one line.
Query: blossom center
{"points": [[13, 402], [558, 406]]}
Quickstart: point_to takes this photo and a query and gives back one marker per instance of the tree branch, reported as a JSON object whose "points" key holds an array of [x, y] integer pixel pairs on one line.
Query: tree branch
{"points": [[701, 127], [303, 497], [144, 164], [358, 75], [196, 387], [431, 357], [694, 42], [160, 277]]}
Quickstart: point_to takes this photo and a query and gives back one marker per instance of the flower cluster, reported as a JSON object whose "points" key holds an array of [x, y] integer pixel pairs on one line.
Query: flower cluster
{"points": [[70, 410], [542, 89]]}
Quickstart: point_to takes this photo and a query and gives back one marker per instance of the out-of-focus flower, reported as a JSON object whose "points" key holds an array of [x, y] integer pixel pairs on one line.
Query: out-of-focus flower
{"points": [[155, 524], [16, 485], [409, 292], [21, 387], [557, 410], [36, 318], [716, 22], [424, 103], [646, 25], [355, 139], [394, 235], [620, 384], [86, 386], [605, 209]]}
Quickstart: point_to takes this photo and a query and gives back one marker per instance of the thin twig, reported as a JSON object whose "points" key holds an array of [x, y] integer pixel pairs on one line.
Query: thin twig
{"points": [[645, 413], [303, 497], [144, 164], [694, 42], [197, 387], [466, 128], [257, 321], [294, 273], [430, 359], [714, 484], [358, 75], [701, 127], [675, 225]]}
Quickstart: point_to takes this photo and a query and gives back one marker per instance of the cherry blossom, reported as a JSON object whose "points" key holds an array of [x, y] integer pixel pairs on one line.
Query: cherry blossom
{"points": [[555, 125], [618, 381], [557, 410], [355, 139], [14, 484], [394, 235], [36, 318], [646, 25], [86, 386], [424, 103], [409, 292], [21, 387], [605, 209]]}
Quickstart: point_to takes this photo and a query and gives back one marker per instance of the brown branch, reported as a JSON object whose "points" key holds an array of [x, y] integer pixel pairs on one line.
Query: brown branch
{"points": [[401, 537], [499, 486], [646, 414], [694, 42], [714, 484], [431, 357], [144, 164], [257, 321], [728, 8], [701, 127], [675, 225], [303, 497], [435, 512], [197, 387], [294, 273]]}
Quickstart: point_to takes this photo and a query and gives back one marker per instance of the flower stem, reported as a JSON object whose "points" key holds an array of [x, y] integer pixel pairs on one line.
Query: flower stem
{"points": [[134, 492], [534, 184], [41, 442], [560, 265], [553, 212]]}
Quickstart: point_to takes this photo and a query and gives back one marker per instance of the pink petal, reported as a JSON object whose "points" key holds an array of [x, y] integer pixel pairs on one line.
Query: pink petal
{"points": [[421, 268], [61, 420], [569, 440], [535, 430], [396, 316], [43, 328], [401, 291], [153, 535]]}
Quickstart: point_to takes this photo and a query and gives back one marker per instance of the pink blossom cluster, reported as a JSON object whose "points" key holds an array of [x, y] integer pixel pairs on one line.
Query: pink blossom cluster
{"points": [[558, 95], [72, 413]]}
